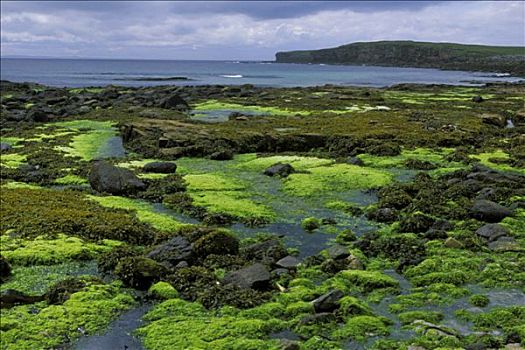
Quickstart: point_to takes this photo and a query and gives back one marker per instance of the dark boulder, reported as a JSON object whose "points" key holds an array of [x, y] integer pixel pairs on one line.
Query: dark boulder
{"points": [[172, 252], [255, 276], [477, 99], [105, 177], [160, 167], [282, 170], [386, 215], [40, 114], [11, 297], [328, 302], [355, 161], [5, 268], [489, 211], [491, 232], [222, 155], [174, 102]]}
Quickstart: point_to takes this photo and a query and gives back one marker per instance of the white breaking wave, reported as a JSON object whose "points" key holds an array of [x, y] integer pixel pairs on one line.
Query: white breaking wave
{"points": [[231, 76]]}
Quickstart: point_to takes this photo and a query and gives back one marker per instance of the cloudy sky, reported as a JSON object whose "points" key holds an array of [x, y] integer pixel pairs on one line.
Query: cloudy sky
{"points": [[244, 30]]}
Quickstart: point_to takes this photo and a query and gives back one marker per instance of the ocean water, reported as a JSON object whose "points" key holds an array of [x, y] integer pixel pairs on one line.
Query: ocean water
{"points": [[100, 72]]}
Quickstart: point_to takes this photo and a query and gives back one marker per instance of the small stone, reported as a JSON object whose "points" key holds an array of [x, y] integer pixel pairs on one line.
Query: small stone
{"points": [[338, 251], [328, 302], [282, 170], [505, 244], [288, 262], [160, 167], [489, 211], [451, 242]]}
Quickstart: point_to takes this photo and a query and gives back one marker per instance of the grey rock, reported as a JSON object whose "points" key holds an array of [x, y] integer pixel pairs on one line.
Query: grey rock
{"points": [[288, 262], [489, 211], [492, 232], [255, 276], [328, 302], [323, 317], [4, 146], [338, 251], [173, 252], [222, 155], [505, 244]]}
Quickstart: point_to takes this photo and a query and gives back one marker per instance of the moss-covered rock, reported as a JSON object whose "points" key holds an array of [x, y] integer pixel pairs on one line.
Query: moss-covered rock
{"points": [[216, 242], [139, 272]]}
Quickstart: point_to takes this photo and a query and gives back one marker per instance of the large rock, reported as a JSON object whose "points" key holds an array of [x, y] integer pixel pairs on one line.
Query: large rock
{"points": [[5, 268], [174, 102], [282, 170], [328, 302], [160, 167], [492, 232], [489, 211], [173, 252], [255, 276], [105, 177], [338, 251]]}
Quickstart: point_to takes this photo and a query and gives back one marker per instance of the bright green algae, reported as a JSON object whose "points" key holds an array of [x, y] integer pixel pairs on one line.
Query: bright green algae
{"points": [[85, 312]]}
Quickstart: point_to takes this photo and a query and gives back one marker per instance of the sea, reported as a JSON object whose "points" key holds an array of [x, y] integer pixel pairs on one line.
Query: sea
{"points": [[102, 72]]}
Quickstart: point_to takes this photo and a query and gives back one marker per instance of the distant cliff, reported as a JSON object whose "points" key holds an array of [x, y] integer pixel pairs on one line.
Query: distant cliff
{"points": [[503, 59]]}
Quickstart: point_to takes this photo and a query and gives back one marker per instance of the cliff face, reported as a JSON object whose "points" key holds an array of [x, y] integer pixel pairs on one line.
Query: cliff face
{"points": [[416, 54]]}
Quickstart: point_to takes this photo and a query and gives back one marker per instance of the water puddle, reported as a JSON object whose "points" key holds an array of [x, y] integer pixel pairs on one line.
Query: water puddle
{"points": [[119, 335], [114, 148], [222, 115]]}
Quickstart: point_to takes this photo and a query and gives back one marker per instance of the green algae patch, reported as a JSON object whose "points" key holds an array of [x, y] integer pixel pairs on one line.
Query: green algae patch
{"points": [[362, 327], [143, 210], [37, 279], [222, 195], [338, 177], [91, 142], [43, 251], [12, 160], [298, 162], [42, 326], [17, 184], [496, 160], [178, 324], [163, 290], [365, 281], [34, 212], [212, 105], [211, 182], [435, 156], [71, 179]]}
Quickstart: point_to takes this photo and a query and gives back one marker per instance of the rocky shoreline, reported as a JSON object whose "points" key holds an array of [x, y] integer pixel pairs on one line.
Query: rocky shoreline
{"points": [[264, 218]]}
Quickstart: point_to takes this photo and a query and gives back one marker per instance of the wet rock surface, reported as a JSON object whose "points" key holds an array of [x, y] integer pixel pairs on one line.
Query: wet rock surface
{"points": [[105, 177]]}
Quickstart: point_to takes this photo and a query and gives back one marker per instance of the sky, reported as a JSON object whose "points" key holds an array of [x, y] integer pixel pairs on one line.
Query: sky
{"points": [[244, 30]]}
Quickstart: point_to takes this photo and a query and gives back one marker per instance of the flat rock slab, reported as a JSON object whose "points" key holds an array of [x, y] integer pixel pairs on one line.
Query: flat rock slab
{"points": [[160, 167], [105, 177], [255, 276], [492, 231], [328, 302], [288, 262], [489, 211]]}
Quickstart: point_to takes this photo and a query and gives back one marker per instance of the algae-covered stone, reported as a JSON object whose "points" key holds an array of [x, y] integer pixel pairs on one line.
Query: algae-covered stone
{"points": [[173, 251], [139, 272], [282, 170], [163, 290], [479, 300], [216, 242], [310, 224], [328, 302]]}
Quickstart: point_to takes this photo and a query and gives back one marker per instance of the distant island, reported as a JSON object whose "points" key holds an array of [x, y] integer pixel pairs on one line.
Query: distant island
{"points": [[503, 59]]}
